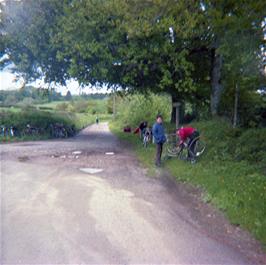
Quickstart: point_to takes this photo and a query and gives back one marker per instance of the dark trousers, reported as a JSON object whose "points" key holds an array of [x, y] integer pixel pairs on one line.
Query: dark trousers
{"points": [[159, 150]]}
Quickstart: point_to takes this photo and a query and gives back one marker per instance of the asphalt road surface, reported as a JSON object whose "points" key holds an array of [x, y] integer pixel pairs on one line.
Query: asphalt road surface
{"points": [[88, 200]]}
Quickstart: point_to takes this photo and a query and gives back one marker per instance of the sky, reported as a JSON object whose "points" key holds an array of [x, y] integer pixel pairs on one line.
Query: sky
{"points": [[8, 82]]}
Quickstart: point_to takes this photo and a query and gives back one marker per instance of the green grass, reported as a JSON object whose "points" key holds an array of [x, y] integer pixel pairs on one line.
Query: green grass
{"points": [[50, 105], [232, 172], [9, 139], [10, 109]]}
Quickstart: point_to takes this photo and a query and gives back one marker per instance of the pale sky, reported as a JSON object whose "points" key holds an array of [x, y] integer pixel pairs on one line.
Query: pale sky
{"points": [[8, 82]]}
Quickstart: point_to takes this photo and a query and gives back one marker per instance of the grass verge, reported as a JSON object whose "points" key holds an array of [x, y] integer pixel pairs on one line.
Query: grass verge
{"points": [[232, 173]]}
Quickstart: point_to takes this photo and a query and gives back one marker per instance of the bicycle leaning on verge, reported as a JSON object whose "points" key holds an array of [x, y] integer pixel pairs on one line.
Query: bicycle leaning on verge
{"points": [[146, 137], [189, 151]]}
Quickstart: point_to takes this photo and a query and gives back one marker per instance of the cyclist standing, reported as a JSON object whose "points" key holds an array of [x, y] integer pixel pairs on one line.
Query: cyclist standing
{"points": [[159, 137]]}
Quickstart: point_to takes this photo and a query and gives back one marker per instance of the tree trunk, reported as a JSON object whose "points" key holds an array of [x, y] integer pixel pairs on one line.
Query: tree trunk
{"points": [[216, 85], [235, 120]]}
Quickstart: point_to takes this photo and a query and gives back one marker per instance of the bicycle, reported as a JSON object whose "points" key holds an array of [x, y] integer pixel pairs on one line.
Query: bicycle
{"points": [[8, 131], [58, 130], [146, 137], [31, 131], [184, 151]]}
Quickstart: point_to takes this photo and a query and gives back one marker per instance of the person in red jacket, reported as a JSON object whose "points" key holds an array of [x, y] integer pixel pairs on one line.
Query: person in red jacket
{"points": [[188, 133]]}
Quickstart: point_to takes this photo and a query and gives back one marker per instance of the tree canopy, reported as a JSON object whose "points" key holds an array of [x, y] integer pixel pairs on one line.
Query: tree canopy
{"points": [[193, 50]]}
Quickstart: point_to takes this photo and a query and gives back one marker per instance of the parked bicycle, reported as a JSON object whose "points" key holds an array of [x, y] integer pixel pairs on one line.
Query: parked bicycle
{"points": [[147, 136], [31, 130], [8, 131], [185, 151], [58, 130]]}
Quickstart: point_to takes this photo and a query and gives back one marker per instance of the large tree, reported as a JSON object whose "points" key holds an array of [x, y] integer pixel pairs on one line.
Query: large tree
{"points": [[27, 30], [137, 45], [179, 47], [230, 24]]}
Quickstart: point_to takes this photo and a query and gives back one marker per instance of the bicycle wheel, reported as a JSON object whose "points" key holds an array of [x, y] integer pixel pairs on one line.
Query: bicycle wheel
{"points": [[173, 149], [199, 149], [145, 141], [183, 153]]}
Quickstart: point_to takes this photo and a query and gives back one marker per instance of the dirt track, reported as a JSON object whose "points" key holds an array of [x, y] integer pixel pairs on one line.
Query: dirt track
{"points": [[52, 212]]}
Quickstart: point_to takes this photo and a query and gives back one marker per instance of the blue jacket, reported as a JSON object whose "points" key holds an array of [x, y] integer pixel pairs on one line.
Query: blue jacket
{"points": [[158, 133]]}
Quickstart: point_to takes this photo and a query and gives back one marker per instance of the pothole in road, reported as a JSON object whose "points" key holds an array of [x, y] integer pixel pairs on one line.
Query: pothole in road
{"points": [[91, 170], [23, 158]]}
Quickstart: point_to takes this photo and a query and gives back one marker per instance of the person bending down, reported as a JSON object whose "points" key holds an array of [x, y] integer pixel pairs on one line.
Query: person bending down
{"points": [[188, 133]]}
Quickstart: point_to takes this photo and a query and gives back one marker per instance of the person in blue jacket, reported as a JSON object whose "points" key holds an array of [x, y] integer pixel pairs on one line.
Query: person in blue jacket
{"points": [[159, 138]]}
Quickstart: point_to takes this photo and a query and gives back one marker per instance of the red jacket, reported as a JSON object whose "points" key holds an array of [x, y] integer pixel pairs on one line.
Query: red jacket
{"points": [[184, 133]]}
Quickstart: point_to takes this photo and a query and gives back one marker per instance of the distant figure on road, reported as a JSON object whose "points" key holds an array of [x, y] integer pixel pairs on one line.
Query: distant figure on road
{"points": [[97, 120], [159, 137]]}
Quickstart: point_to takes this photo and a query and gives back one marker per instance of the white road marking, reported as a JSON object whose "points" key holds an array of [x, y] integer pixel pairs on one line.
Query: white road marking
{"points": [[91, 170], [110, 153], [76, 152]]}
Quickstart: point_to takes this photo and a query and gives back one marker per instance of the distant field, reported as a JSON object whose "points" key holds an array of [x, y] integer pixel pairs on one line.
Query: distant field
{"points": [[11, 109], [51, 105]]}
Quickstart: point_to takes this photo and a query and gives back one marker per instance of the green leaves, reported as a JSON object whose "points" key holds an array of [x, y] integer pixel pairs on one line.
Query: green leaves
{"points": [[138, 45]]}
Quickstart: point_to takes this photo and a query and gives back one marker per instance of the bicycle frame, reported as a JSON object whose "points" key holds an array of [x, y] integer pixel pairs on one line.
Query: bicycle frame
{"points": [[184, 151]]}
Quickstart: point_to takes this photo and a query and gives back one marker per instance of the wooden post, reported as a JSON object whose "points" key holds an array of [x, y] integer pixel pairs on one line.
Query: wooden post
{"points": [[177, 105], [236, 106], [114, 105]]}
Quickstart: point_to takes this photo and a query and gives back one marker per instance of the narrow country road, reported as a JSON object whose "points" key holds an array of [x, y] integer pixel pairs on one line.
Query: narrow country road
{"points": [[88, 200]]}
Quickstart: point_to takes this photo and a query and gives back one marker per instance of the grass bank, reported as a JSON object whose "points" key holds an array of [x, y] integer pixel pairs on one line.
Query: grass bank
{"points": [[232, 172]]}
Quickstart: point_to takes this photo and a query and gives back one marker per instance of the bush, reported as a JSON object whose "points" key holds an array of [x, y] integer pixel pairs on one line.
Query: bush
{"points": [[39, 119], [136, 108], [62, 106], [251, 146], [80, 106], [251, 109], [226, 143], [27, 101]]}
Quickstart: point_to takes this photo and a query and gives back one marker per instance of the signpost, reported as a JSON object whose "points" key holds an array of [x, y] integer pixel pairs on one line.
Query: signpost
{"points": [[177, 105]]}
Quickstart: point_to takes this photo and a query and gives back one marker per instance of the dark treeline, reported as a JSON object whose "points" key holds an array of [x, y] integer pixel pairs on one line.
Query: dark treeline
{"points": [[29, 95]]}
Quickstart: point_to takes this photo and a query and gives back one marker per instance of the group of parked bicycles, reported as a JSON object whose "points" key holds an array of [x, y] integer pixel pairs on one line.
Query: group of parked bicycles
{"points": [[60, 130], [57, 130], [6, 131], [189, 150]]}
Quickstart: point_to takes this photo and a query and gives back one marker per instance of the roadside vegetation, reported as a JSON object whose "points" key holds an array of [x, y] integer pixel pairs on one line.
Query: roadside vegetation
{"points": [[231, 173], [52, 119]]}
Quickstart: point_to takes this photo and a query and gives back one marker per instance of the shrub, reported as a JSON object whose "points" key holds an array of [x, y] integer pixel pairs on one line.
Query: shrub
{"points": [[136, 108], [62, 106], [80, 106], [39, 119]]}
